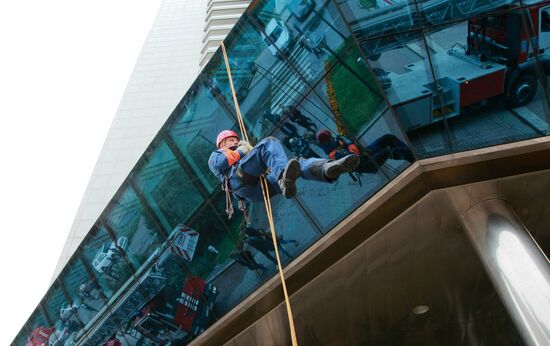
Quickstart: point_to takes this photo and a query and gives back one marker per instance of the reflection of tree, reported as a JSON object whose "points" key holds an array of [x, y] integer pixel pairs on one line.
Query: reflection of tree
{"points": [[333, 102], [356, 99]]}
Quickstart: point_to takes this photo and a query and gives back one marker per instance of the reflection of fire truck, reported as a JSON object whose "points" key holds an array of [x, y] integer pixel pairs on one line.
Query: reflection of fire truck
{"points": [[498, 60], [152, 295], [40, 336], [166, 321], [44, 336]]}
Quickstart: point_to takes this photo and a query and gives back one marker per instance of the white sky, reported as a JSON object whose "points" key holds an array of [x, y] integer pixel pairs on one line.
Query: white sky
{"points": [[64, 65]]}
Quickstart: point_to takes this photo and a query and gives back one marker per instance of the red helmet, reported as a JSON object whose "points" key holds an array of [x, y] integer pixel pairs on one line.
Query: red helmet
{"points": [[323, 136], [225, 134]]}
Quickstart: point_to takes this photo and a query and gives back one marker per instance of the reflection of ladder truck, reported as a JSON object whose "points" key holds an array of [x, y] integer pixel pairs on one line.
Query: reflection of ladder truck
{"points": [[497, 61], [152, 277], [177, 317]]}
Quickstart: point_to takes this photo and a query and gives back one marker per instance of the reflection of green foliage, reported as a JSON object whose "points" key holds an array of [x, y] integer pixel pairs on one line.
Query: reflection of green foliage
{"points": [[357, 102]]}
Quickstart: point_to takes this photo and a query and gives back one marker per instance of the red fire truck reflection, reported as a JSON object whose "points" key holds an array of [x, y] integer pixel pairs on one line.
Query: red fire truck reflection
{"points": [[177, 322]]}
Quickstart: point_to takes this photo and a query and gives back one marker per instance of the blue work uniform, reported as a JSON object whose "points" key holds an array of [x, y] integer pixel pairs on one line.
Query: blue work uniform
{"points": [[267, 154]]}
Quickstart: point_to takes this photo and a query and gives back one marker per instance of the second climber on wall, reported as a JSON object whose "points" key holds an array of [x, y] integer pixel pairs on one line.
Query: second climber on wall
{"points": [[239, 166]]}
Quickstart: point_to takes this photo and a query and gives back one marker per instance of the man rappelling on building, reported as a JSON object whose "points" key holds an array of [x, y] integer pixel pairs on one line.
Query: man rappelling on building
{"points": [[239, 166]]}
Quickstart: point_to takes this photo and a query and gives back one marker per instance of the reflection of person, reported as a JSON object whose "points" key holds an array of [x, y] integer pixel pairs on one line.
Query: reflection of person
{"points": [[239, 166], [386, 147], [296, 116], [263, 234], [262, 241], [289, 129], [245, 258]]}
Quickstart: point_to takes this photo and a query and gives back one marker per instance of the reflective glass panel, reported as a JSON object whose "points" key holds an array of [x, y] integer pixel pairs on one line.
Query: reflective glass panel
{"points": [[380, 21], [218, 238], [103, 253], [64, 313], [136, 233], [441, 12], [417, 100], [38, 330], [203, 113], [309, 34], [263, 81], [167, 187], [346, 114], [493, 99], [83, 290]]}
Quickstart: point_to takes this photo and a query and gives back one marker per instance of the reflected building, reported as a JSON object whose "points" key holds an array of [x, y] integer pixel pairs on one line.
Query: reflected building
{"points": [[440, 237]]}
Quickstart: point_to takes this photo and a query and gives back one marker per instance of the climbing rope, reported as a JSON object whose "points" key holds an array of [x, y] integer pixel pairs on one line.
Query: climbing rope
{"points": [[267, 201]]}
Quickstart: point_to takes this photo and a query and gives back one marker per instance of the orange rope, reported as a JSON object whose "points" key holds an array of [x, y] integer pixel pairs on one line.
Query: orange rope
{"points": [[267, 201], [237, 108]]}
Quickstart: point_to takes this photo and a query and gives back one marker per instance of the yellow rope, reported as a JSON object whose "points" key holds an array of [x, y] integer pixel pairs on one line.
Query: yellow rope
{"points": [[267, 201], [237, 108]]}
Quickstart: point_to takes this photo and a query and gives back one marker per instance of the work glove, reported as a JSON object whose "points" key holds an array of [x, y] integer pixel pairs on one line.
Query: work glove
{"points": [[244, 147]]}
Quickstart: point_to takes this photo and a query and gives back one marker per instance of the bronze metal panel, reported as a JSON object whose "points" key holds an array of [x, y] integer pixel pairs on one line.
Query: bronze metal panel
{"points": [[258, 334]]}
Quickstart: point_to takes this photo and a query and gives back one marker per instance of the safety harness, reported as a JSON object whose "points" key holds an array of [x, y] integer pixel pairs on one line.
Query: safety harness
{"points": [[246, 179]]}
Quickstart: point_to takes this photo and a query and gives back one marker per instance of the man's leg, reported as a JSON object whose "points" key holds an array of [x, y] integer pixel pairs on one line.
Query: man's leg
{"points": [[268, 153], [327, 170]]}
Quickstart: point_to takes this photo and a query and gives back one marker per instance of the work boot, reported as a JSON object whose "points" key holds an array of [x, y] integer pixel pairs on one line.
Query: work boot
{"points": [[333, 169], [287, 182]]}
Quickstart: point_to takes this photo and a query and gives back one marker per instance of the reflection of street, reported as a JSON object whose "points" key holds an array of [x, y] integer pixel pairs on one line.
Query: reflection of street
{"points": [[499, 123], [484, 126]]}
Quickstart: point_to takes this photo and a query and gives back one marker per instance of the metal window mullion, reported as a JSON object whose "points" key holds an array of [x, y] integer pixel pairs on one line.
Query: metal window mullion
{"points": [[148, 209], [172, 146]]}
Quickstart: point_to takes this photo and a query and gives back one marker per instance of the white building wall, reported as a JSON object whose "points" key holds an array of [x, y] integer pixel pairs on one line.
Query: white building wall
{"points": [[166, 67], [221, 15]]}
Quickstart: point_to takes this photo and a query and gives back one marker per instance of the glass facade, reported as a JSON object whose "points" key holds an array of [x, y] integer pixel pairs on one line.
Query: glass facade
{"points": [[402, 81]]}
